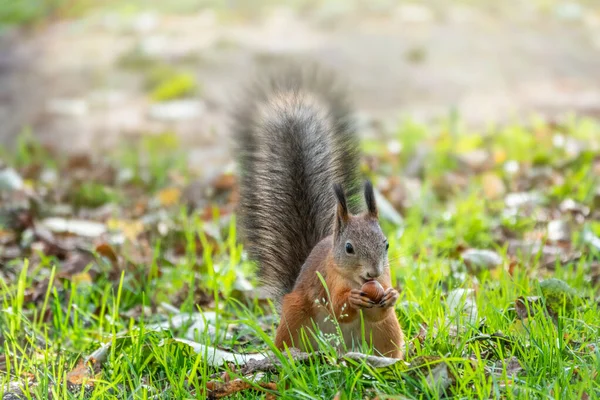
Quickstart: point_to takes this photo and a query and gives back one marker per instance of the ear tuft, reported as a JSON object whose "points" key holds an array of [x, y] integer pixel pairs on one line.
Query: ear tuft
{"points": [[341, 198], [370, 200], [341, 213]]}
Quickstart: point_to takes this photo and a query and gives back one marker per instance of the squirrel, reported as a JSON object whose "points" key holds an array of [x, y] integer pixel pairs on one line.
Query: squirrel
{"points": [[297, 152]]}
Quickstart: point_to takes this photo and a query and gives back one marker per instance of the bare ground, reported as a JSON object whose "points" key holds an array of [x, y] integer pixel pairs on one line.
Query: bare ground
{"points": [[67, 80]]}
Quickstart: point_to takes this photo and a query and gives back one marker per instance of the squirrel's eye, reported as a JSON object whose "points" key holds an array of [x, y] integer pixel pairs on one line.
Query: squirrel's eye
{"points": [[349, 248], [387, 245]]}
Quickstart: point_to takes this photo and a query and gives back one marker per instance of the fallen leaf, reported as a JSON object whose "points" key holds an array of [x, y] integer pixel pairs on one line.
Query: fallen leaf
{"points": [[80, 374], [478, 260], [525, 306], [272, 364], [176, 110], [462, 301], [82, 277], [74, 226], [372, 361], [217, 390], [529, 251], [558, 231], [436, 372], [493, 186], [90, 366], [243, 290], [216, 357], [475, 160], [54, 246], [169, 196], [571, 206], [80, 161], [16, 390], [224, 182], [422, 335], [10, 180], [523, 199], [440, 379], [591, 239], [76, 263], [131, 229], [105, 250], [512, 366]]}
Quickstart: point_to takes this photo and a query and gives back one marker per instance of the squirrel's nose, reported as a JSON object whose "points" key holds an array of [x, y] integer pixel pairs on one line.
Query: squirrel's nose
{"points": [[372, 274]]}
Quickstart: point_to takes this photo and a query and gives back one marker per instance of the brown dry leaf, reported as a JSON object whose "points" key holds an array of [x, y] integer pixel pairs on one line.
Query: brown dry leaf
{"points": [[217, 390], [80, 374], [169, 196], [273, 364], [6, 236], [37, 291], [53, 246], [512, 365], [422, 335], [79, 161], [139, 208], [106, 250], [84, 371], [524, 306], [76, 263], [201, 297], [88, 367], [224, 182]]}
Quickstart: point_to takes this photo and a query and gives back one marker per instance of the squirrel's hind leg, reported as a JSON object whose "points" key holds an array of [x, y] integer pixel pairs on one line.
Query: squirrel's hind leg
{"points": [[294, 316], [388, 338]]}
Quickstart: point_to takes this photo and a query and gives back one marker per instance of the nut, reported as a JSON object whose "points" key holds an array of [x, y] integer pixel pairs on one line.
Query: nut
{"points": [[373, 290]]}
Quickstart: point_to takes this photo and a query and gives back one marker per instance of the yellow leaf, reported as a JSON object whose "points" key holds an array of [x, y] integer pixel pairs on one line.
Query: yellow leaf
{"points": [[499, 156], [130, 228], [82, 277], [169, 196]]}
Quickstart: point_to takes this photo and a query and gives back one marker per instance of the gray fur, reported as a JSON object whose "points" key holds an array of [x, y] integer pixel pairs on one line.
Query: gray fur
{"points": [[295, 139], [368, 259]]}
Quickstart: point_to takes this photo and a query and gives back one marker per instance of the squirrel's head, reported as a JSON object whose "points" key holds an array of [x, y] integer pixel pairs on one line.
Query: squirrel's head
{"points": [[359, 245]]}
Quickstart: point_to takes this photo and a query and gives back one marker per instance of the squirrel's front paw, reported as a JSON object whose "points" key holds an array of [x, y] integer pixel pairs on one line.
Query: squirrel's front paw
{"points": [[358, 300], [390, 297]]}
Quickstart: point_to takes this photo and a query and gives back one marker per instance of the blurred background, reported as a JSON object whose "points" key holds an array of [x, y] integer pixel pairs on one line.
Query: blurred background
{"points": [[84, 76], [480, 123]]}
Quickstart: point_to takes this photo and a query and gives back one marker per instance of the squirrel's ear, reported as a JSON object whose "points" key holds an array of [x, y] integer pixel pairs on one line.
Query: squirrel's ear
{"points": [[370, 200], [341, 213]]}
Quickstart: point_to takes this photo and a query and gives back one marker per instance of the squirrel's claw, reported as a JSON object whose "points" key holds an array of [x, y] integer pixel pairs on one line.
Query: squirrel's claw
{"points": [[358, 299], [390, 297]]}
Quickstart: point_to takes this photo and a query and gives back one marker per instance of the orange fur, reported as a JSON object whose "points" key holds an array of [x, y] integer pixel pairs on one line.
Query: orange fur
{"points": [[310, 301]]}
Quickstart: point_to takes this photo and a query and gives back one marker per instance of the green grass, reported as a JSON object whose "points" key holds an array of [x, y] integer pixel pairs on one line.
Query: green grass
{"points": [[50, 319], [28, 12]]}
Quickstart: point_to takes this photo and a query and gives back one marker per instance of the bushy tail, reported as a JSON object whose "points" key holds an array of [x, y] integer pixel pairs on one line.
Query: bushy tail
{"points": [[295, 138]]}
